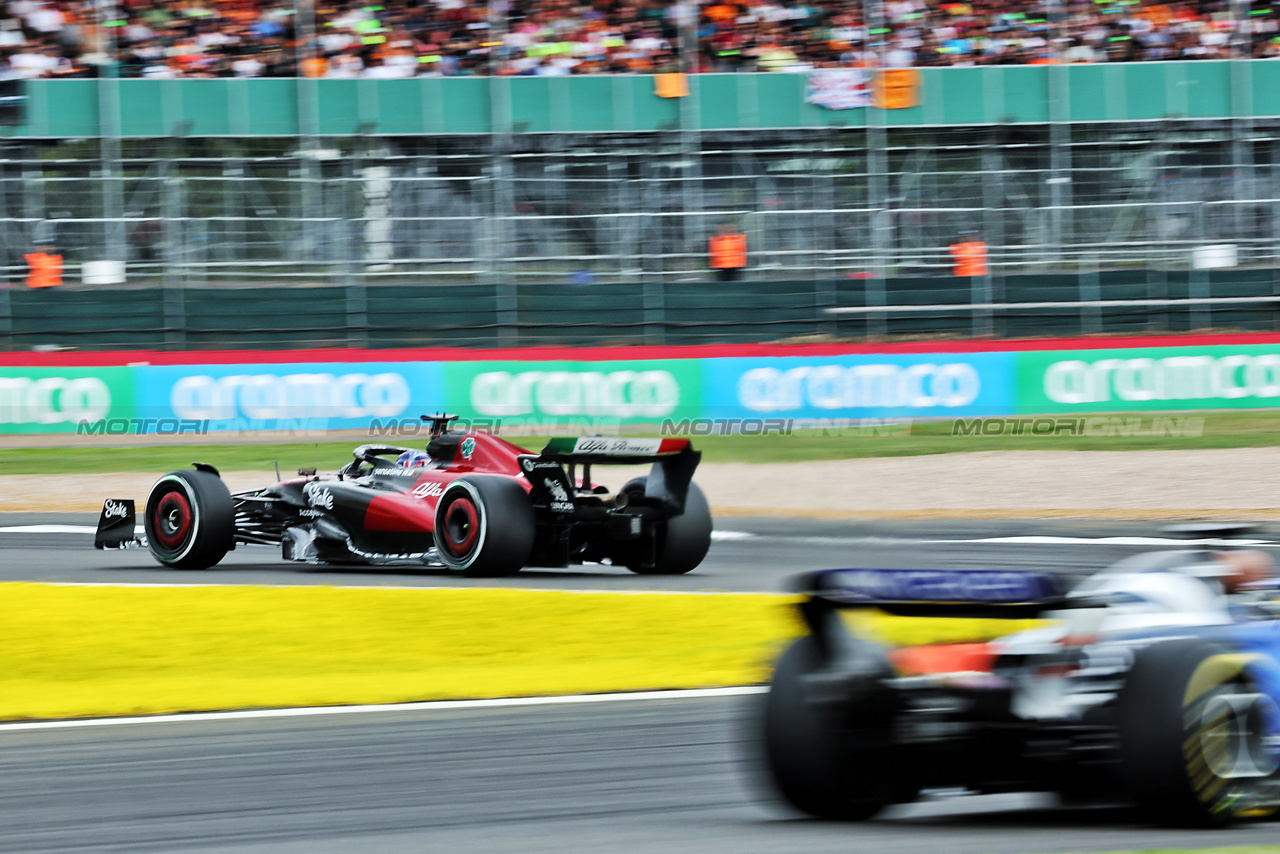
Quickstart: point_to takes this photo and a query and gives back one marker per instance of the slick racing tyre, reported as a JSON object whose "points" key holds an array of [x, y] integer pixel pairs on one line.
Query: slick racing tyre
{"points": [[1193, 734], [484, 526], [190, 520], [681, 542], [830, 759]]}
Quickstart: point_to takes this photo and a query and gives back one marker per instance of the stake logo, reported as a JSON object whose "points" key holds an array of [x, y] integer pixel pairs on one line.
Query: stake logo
{"points": [[115, 509]]}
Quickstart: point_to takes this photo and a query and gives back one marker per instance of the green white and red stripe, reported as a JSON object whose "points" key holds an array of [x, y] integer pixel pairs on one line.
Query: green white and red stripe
{"points": [[607, 446]]}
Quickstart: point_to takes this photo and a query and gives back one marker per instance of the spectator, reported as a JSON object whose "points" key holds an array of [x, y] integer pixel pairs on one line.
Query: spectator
{"points": [[401, 38], [44, 266], [727, 251]]}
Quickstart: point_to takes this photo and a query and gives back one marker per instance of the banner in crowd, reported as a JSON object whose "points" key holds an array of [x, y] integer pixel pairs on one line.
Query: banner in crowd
{"points": [[838, 88]]}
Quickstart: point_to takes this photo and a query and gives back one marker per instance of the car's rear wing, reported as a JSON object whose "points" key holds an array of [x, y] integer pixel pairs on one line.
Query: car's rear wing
{"points": [[986, 593], [674, 461], [937, 592]]}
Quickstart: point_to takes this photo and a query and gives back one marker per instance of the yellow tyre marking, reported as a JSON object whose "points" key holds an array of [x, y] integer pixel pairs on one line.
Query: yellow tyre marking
{"points": [[1214, 671]]}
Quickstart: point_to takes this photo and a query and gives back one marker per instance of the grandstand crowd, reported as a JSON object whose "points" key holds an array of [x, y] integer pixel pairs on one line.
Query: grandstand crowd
{"points": [[406, 38]]}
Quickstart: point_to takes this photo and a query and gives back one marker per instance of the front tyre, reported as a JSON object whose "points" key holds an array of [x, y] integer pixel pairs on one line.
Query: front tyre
{"points": [[681, 542], [1193, 734], [484, 527], [190, 520]]}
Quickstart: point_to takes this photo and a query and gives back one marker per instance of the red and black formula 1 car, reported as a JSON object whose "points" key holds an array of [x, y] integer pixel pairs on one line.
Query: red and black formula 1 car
{"points": [[472, 502]]}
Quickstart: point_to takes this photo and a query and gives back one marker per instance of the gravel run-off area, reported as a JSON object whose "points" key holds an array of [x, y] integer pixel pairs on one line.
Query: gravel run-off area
{"points": [[1238, 482]]}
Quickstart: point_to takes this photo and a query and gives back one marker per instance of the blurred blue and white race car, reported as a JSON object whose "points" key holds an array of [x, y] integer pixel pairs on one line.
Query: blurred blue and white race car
{"points": [[1155, 682]]}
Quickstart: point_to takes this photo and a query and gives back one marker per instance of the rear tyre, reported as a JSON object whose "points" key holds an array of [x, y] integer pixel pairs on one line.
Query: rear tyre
{"points": [[828, 759], [190, 520], [1193, 728], [484, 527], [681, 542]]}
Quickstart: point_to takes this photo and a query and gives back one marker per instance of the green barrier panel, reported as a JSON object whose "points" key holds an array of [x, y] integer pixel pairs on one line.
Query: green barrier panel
{"points": [[265, 317], [1156, 378], [87, 319], [56, 400], [587, 393], [737, 312], [580, 314], [988, 95], [616, 313], [431, 315]]}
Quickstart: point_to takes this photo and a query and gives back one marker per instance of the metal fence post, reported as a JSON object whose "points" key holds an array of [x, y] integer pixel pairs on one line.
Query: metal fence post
{"points": [[6, 318], [653, 296], [1198, 287], [1241, 144], [881, 239], [109, 127], [503, 206], [1090, 288], [175, 316], [824, 297], [174, 305], [993, 201], [1061, 225]]}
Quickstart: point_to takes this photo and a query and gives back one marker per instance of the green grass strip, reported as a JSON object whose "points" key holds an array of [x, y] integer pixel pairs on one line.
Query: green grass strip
{"points": [[90, 651], [1217, 430]]}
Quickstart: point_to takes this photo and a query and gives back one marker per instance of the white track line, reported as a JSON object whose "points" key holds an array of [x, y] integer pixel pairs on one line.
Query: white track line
{"points": [[1111, 541], [734, 536], [434, 706], [89, 529], [1015, 540], [176, 585], [50, 529]]}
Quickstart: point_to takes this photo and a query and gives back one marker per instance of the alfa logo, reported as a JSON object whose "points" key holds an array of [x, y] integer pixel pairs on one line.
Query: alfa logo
{"points": [[429, 490], [468, 447]]}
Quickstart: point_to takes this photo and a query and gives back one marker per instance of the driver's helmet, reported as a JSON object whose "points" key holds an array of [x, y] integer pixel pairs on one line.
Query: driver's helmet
{"points": [[1244, 567], [413, 459]]}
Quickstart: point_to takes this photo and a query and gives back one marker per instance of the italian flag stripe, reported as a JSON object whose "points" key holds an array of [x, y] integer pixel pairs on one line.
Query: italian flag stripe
{"points": [[616, 447]]}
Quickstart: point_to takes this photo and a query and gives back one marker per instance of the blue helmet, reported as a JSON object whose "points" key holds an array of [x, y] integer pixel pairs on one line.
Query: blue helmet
{"points": [[413, 459]]}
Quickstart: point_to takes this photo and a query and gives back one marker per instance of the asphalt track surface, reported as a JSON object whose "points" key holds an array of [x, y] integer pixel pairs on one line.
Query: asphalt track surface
{"points": [[748, 554], [650, 776], [639, 775]]}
